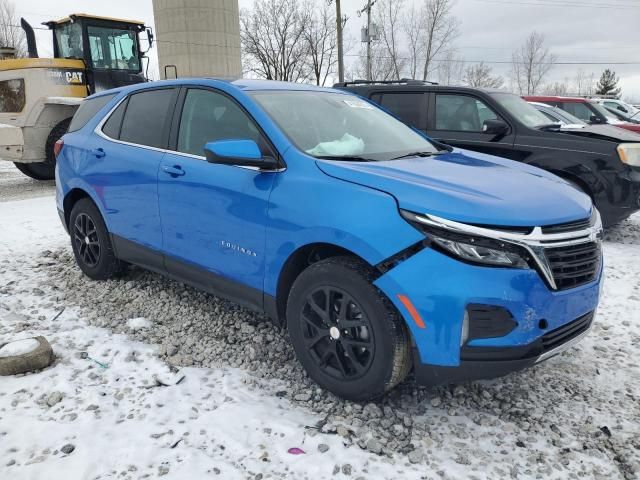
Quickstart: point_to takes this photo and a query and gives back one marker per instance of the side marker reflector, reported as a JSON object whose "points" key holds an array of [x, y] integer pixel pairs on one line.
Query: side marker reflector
{"points": [[412, 310]]}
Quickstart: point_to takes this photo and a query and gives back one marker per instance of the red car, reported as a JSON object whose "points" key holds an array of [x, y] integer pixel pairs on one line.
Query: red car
{"points": [[586, 110]]}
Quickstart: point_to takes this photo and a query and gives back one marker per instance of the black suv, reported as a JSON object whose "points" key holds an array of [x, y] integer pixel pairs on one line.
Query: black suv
{"points": [[605, 165]]}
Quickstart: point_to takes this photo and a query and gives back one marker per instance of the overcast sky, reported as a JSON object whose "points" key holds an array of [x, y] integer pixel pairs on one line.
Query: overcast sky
{"points": [[602, 31]]}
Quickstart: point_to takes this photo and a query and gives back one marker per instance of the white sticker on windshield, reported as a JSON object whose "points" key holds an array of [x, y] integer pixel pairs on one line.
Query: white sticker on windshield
{"points": [[358, 104]]}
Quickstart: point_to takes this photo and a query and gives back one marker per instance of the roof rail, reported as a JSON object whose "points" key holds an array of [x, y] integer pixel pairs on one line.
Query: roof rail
{"points": [[402, 81], [593, 96]]}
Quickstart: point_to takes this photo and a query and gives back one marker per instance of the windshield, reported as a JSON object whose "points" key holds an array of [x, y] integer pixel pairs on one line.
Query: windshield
{"points": [[328, 124], [611, 118], [566, 117], [521, 110], [113, 48], [69, 40]]}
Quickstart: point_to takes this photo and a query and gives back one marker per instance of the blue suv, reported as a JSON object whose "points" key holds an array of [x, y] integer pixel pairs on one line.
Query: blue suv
{"points": [[382, 252]]}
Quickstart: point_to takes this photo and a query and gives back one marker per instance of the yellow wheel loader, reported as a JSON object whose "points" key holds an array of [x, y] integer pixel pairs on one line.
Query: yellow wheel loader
{"points": [[38, 96]]}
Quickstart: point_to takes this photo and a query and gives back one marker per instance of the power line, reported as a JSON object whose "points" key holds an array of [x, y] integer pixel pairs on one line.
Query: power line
{"points": [[502, 62], [35, 28], [564, 3]]}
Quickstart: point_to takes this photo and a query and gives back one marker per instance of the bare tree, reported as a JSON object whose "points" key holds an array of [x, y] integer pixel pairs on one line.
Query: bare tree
{"points": [[531, 64], [581, 83], [321, 38], [440, 30], [557, 88], [450, 68], [382, 67], [273, 39], [480, 75], [389, 19], [11, 35], [414, 25]]}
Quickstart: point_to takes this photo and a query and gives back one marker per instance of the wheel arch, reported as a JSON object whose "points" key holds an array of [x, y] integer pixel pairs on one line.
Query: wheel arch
{"points": [[71, 198], [299, 260], [584, 186]]}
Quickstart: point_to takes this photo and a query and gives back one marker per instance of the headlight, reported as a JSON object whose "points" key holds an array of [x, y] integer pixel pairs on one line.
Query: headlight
{"points": [[470, 248], [480, 254], [629, 153]]}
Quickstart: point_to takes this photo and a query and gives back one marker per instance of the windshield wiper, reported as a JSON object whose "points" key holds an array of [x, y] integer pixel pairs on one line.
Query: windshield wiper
{"points": [[421, 154], [346, 158]]}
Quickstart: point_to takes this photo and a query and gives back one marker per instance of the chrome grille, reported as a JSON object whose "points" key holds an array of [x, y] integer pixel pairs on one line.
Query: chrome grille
{"points": [[567, 227], [574, 265]]}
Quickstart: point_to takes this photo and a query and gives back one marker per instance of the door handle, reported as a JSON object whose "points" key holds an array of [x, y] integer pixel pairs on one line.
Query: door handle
{"points": [[98, 152], [174, 171]]}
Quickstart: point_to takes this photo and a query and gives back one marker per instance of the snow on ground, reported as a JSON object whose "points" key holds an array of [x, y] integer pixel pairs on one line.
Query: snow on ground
{"points": [[122, 401], [138, 323], [19, 347]]}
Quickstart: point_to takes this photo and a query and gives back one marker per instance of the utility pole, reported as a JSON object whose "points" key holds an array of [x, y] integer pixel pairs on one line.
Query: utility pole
{"points": [[339, 32], [366, 34], [369, 39]]}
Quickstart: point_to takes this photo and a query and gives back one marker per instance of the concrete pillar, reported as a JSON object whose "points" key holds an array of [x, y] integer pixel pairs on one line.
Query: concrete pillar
{"points": [[200, 37]]}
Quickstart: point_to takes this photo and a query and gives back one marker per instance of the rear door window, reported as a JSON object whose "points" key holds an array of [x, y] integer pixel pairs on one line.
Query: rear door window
{"points": [[146, 116], [88, 108], [462, 113], [409, 107]]}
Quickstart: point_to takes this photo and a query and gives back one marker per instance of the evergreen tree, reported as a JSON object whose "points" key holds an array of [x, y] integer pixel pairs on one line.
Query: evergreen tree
{"points": [[608, 84]]}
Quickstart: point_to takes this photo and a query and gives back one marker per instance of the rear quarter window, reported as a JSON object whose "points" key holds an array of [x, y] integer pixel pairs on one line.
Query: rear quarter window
{"points": [[408, 107], [87, 110]]}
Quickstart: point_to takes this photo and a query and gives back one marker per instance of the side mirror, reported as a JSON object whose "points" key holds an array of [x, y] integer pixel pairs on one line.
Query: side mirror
{"points": [[495, 127], [149, 37], [622, 109], [595, 119], [244, 153]]}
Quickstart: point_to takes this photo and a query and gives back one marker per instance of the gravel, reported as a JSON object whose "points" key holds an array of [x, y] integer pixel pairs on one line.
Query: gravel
{"points": [[570, 414]]}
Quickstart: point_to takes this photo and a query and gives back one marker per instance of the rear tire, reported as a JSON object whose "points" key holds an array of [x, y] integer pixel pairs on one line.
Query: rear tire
{"points": [[91, 242], [37, 171], [46, 170], [346, 334]]}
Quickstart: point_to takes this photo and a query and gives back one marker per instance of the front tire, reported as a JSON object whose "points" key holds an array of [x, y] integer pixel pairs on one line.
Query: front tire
{"points": [[91, 242], [346, 334]]}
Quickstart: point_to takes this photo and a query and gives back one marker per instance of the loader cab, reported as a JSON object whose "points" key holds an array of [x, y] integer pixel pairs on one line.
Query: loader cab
{"points": [[109, 48]]}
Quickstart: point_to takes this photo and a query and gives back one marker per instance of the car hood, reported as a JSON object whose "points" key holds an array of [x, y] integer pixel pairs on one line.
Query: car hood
{"points": [[605, 132], [477, 189]]}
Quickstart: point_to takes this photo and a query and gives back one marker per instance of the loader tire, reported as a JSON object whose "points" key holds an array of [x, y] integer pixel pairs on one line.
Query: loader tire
{"points": [[46, 170]]}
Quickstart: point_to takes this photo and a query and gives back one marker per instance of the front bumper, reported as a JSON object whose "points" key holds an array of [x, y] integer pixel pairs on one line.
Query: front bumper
{"points": [[479, 363], [441, 289], [621, 198]]}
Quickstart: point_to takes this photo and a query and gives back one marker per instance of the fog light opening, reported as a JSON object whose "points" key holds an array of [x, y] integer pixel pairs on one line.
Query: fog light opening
{"points": [[543, 324], [465, 329]]}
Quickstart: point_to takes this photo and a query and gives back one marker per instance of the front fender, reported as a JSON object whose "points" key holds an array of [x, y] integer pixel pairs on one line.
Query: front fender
{"points": [[307, 206]]}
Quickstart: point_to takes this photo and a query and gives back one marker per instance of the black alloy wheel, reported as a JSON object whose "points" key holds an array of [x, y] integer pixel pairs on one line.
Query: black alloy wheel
{"points": [[346, 333], [85, 235], [338, 333], [91, 242]]}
